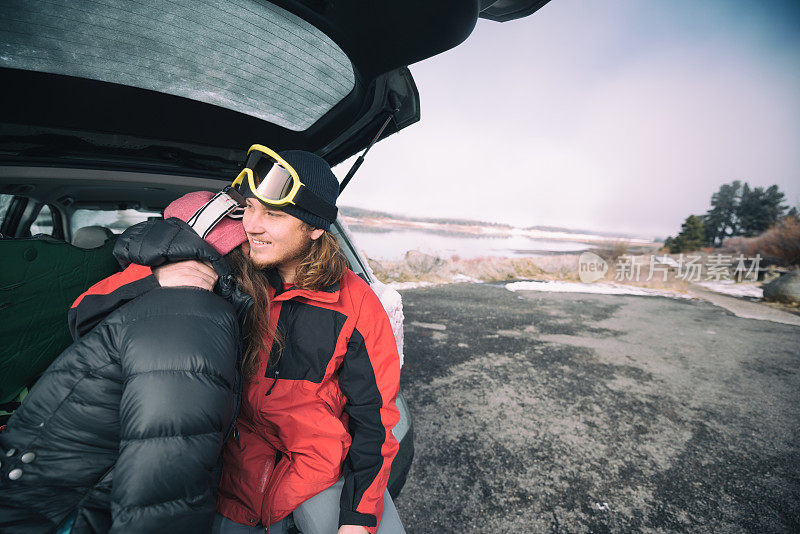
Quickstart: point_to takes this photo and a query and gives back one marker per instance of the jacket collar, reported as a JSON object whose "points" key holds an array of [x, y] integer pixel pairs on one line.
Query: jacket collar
{"points": [[327, 295], [159, 241]]}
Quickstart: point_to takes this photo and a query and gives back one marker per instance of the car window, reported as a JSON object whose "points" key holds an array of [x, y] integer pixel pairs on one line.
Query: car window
{"points": [[43, 224], [354, 259], [115, 220], [5, 203]]}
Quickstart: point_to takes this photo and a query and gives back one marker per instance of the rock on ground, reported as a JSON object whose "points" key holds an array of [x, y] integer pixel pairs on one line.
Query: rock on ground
{"points": [[786, 288]]}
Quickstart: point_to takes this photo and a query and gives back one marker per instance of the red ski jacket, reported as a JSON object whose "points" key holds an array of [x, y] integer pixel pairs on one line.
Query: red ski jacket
{"points": [[322, 409]]}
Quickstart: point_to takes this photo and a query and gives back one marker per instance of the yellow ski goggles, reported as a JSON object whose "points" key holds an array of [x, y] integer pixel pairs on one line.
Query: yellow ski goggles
{"points": [[275, 183]]}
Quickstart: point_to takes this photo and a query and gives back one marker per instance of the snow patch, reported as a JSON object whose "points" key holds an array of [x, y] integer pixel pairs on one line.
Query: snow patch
{"points": [[399, 286], [609, 288], [456, 279], [463, 278], [429, 326], [729, 287], [666, 260]]}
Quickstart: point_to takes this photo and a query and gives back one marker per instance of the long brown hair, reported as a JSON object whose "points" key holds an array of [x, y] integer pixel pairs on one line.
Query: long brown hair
{"points": [[324, 264], [258, 336]]}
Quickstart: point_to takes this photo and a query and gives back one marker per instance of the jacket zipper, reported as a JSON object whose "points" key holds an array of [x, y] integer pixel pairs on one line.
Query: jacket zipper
{"points": [[278, 471], [239, 392], [274, 381]]}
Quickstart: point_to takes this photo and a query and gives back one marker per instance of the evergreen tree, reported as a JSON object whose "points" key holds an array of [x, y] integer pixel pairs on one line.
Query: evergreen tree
{"points": [[772, 204], [738, 209], [721, 220], [759, 209], [691, 237]]}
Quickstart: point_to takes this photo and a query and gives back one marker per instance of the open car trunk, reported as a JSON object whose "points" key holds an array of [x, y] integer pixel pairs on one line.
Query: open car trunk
{"points": [[187, 87]]}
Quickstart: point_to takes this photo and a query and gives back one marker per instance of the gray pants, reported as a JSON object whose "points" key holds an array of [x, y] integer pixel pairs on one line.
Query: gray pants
{"points": [[317, 515]]}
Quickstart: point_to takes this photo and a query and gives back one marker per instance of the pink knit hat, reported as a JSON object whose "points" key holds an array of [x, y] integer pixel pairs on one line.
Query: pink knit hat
{"points": [[226, 235]]}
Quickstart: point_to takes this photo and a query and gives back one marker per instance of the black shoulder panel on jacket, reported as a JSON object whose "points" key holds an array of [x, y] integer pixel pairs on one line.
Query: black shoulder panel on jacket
{"points": [[318, 329]]}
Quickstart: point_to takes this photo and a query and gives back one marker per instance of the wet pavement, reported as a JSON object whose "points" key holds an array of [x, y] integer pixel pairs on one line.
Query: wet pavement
{"points": [[555, 412]]}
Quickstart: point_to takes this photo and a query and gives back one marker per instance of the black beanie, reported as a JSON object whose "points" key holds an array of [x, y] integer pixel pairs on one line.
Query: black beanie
{"points": [[317, 175]]}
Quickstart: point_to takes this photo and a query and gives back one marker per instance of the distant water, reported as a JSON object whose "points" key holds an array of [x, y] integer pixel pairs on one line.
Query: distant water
{"points": [[394, 244]]}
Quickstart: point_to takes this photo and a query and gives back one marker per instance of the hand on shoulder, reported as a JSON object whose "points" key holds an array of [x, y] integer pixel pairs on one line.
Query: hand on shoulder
{"points": [[186, 273]]}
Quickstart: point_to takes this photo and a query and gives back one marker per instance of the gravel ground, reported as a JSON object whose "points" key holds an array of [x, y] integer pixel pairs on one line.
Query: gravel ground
{"points": [[556, 412]]}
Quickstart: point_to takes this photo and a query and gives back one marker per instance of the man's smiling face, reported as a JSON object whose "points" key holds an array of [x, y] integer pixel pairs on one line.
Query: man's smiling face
{"points": [[276, 239]]}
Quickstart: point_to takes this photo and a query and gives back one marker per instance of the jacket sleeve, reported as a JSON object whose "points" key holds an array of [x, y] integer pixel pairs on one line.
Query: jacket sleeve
{"points": [[106, 296], [178, 374], [370, 379]]}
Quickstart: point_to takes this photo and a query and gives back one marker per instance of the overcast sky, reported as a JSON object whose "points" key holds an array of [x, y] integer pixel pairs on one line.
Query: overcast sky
{"points": [[614, 115]]}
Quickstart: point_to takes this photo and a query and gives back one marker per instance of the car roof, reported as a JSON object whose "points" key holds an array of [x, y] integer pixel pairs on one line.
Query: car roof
{"points": [[162, 110]]}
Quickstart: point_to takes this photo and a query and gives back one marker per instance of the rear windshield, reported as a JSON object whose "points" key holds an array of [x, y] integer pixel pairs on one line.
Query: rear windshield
{"points": [[251, 57]]}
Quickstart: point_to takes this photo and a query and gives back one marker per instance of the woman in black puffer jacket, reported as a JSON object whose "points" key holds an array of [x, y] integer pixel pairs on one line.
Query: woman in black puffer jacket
{"points": [[123, 432]]}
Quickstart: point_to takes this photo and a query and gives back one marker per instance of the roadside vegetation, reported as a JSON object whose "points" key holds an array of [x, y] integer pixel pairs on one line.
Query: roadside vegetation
{"points": [[746, 220], [779, 245]]}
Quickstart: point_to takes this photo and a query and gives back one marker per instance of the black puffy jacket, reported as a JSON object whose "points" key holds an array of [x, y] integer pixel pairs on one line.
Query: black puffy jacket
{"points": [[126, 426]]}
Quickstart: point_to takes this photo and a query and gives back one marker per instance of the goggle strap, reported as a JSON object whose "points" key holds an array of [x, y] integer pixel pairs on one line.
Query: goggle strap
{"points": [[310, 201], [236, 213], [213, 211]]}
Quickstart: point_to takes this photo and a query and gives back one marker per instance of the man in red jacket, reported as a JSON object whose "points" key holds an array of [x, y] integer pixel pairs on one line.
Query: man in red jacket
{"points": [[314, 433]]}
